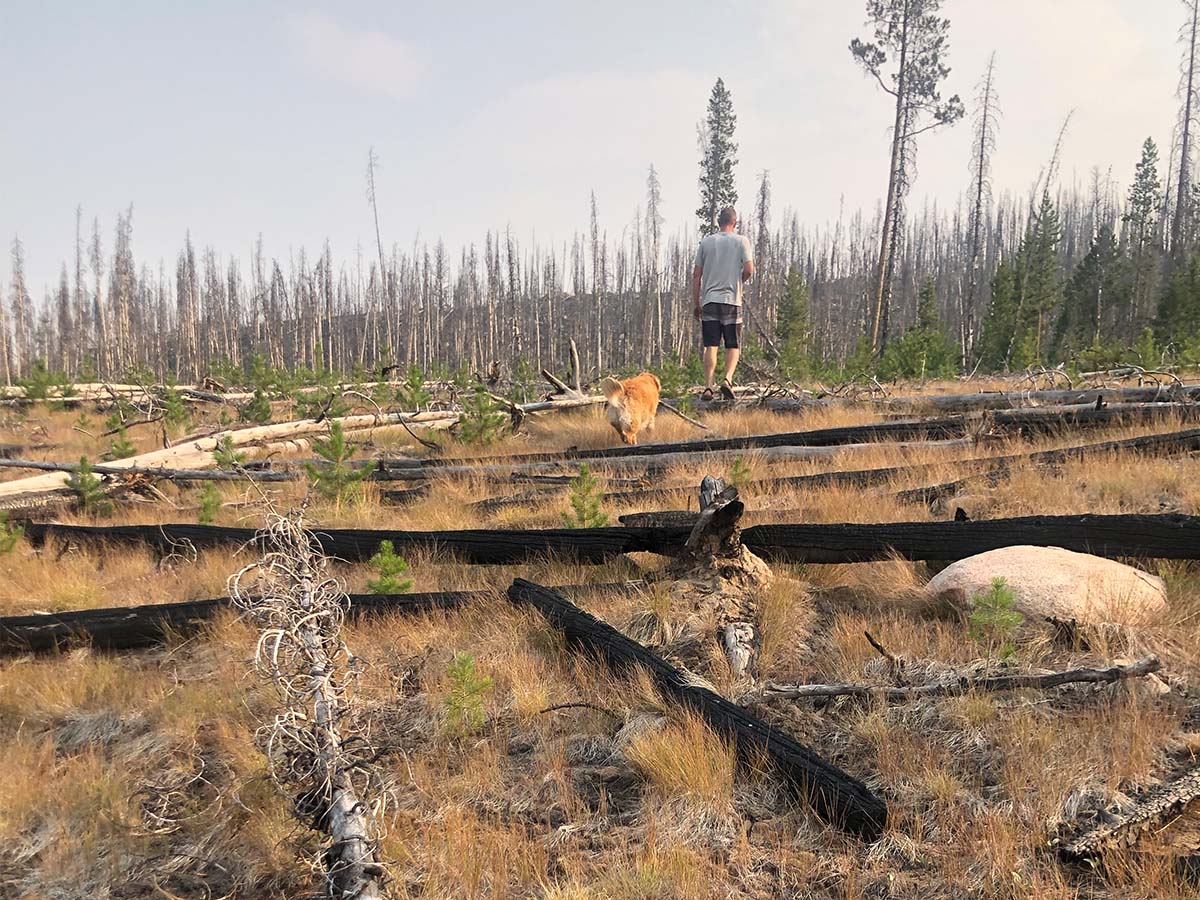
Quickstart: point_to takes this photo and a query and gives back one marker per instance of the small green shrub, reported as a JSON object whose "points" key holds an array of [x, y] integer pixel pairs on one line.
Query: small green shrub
{"points": [[411, 394], [329, 403], [338, 481], [257, 410], [482, 421], [86, 486], [739, 472], [388, 565], [210, 503], [120, 448], [464, 703], [226, 456], [586, 497], [10, 533], [175, 411], [993, 620], [43, 384]]}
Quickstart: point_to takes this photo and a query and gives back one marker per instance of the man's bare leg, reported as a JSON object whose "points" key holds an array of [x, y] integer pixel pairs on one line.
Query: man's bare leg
{"points": [[732, 355], [710, 365]]}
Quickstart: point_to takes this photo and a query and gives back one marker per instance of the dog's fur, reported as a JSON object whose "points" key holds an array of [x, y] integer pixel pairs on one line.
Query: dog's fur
{"points": [[632, 404]]}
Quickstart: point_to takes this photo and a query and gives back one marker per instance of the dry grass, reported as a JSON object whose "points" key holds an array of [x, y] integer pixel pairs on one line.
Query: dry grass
{"points": [[557, 804]]}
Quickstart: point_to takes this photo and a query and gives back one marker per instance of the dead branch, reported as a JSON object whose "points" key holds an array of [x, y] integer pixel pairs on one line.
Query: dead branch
{"points": [[671, 409], [964, 684]]}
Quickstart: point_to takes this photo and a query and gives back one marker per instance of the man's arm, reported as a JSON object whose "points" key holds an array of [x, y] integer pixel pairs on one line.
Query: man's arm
{"points": [[747, 270], [697, 273]]}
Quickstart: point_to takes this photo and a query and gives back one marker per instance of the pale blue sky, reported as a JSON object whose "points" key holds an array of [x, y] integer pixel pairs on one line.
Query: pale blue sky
{"points": [[231, 119]]}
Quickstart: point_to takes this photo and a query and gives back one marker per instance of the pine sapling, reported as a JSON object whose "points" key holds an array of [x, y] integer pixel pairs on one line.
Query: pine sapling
{"points": [[10, 533], [993, 619], [257, 410], [586, 497], [210, 503], [482, 422], [226, 456], [464, 703], [338, 480], [120, 448], [87, 488], [388, 565], [739, 472]]}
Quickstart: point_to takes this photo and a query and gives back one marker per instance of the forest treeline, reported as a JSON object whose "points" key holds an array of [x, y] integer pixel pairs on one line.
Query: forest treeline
{"points": [[1086, 274]]}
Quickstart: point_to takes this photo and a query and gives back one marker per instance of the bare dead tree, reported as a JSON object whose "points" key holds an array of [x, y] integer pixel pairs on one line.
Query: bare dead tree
{"points": [[314, 750], [984, 145], [1187, 121]]}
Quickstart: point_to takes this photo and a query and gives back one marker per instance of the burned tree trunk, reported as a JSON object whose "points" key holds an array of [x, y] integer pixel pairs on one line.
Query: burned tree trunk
{"points": [[835, 796]]}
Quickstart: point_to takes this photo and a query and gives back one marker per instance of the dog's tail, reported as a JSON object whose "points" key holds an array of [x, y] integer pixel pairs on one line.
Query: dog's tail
{"points": [[611, 388]]}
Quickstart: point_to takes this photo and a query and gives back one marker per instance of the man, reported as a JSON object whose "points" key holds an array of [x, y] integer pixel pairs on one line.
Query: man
{"points": [[724, 261]]}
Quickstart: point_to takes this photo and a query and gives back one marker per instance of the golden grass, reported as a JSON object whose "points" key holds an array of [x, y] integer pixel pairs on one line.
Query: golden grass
{"points": [[974, 783]]}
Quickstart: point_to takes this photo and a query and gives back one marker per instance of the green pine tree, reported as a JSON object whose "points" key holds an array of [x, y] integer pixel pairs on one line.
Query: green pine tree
{"points": [[1000, 321], [793, 328], [1039, 291], [226, 455], [719, 156], [586, 499], [993, 619], [258, 409], [210, 503], [120, 448], [1142, 241], [482, 421], [388, 565], [1096, 302], [464, 702], [10, 533], [87, 488], [338, 480], [924, 351]]}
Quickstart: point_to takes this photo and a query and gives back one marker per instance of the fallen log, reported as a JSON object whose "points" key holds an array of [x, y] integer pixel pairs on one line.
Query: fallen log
{"points": [[154, 471], [1020, 421], [836, 797], [1151, 444], [1148, 816], [962, 684], [132, 627], [480, 547], [637, 465], [1166, 536], [1162, 393]]}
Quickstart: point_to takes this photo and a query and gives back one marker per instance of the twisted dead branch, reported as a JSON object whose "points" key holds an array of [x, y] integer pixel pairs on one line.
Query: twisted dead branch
{"points": [[314, 751]]}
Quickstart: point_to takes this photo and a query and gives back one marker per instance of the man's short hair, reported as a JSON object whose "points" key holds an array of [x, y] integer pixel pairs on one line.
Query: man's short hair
{"points": [[728, 216]]}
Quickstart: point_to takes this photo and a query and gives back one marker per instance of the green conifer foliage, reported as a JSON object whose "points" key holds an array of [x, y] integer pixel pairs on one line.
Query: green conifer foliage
{"points": [[586, 498], [388, 566], [338, 480], [717, 186]]}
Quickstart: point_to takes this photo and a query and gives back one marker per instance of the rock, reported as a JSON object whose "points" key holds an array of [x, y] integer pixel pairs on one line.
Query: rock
{"points": [[1051, 581]]}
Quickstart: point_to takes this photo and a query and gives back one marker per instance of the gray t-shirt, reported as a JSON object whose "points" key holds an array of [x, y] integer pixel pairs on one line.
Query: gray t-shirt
{"points": [[721, 257]]}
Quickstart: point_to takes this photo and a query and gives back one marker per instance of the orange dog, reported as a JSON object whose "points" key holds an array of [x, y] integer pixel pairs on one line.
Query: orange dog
{"points": [[632, 404]]}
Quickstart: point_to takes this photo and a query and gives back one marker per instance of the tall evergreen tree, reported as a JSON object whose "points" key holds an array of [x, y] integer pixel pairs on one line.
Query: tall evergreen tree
{"points": [[916, 37], [718, 157], [1096, 298], [1000, 322], [1040, 287], [1179, 309], [924, 351], [794, 325], [1142, 239]]}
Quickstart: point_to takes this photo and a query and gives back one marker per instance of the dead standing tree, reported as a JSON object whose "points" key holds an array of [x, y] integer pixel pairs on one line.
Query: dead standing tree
{"points": [[290, 595], [916, 36]]}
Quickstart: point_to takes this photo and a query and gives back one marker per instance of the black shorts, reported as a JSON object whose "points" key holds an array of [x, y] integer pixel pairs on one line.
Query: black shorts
{"points": [[721, 320]]}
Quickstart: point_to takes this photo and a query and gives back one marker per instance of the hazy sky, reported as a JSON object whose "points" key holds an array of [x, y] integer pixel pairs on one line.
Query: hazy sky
{"points": [[233, 119]]}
